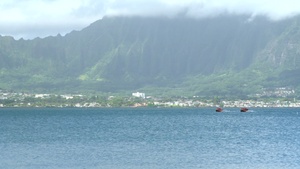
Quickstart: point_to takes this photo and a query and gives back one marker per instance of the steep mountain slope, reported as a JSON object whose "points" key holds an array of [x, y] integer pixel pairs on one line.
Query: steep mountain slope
{"points": [[127, 53], [177, 47], [282, 56]]}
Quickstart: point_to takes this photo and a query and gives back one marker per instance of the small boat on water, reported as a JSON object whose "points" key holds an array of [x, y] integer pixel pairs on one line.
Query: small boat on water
{"points": [[219, 109], [244, 109]]}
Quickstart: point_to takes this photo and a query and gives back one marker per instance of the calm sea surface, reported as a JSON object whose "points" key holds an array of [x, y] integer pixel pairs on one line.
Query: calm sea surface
{"points": [[149, 139]]}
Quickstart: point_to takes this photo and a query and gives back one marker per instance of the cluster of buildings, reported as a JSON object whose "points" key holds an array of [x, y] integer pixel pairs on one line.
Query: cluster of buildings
{"points": [[277, 92], [232, 103], [12, 99], [261, 103]]}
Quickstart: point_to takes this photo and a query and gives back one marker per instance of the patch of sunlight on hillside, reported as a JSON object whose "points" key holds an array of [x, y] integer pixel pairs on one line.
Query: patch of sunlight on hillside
{"points": [[86, 77], [83, 77]]}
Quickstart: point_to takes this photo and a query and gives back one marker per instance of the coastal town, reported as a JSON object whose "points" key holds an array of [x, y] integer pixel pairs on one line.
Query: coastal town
{"points": [[137, 99]]}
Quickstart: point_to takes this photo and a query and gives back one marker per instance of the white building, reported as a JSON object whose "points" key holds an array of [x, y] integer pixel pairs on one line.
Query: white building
{"points": [[41, 96], [138, 94]]}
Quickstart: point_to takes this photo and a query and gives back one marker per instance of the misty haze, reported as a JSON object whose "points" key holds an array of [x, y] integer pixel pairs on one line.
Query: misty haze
{"points": [[145, 84], [200, 56]]}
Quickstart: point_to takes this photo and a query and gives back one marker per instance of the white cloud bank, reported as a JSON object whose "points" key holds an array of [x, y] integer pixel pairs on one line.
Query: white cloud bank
{"points": [[33, 18]]}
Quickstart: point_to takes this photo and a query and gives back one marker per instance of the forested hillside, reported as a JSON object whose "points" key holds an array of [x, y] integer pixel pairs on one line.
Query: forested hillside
{"points": [[208, 56]]}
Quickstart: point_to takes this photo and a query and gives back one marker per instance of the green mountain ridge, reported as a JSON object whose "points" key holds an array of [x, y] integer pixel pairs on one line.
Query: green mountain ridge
{"points": [[225, 55]]}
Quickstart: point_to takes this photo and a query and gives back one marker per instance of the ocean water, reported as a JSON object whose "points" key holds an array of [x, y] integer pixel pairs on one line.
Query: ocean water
{"points": [[52, 138]]}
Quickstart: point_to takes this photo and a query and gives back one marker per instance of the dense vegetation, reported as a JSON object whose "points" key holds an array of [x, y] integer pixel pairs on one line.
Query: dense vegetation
{"points": [[225, 55]]}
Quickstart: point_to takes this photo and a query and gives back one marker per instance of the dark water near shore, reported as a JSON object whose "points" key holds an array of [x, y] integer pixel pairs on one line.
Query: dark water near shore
{"points": [[149, 138]]}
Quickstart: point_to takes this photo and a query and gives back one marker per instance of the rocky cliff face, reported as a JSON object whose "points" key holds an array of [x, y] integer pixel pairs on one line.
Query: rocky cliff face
{"points": [[129, 53]]}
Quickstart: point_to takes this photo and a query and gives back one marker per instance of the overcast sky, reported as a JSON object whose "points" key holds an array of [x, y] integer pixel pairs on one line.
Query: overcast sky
{"points": [[40, 18]]}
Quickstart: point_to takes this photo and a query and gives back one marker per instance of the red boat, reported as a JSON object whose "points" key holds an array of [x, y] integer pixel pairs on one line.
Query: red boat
{"points": [[244, 109], [219, 109]]}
